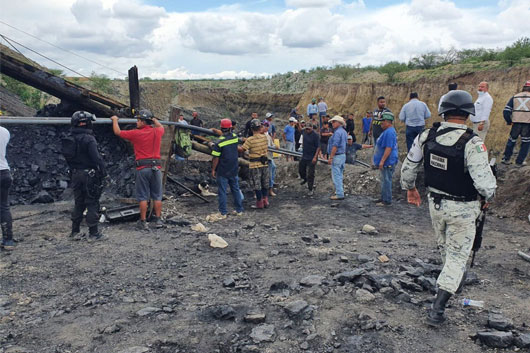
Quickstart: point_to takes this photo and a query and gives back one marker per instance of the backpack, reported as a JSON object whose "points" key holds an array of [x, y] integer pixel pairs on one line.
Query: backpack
{"points": [[69, 148], [183, 141]]}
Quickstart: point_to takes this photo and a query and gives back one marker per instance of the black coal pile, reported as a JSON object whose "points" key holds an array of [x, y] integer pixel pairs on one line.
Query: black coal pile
{"points": [[40, 173]]}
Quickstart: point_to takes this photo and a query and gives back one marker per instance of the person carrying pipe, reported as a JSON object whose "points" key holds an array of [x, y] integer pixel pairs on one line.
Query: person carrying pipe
{"points": [[146, 140]]}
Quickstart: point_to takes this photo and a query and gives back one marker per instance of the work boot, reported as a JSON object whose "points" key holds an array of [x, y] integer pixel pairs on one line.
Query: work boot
{"points": [[142, 225], [266, 202], [436, 315], [94, 234], [75, 234], [158, 222], [461, 285], [7, 236], [259, 204]]}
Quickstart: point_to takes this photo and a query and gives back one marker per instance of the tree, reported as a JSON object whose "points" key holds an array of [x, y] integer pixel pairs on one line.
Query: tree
{"points": [[100, 83]]}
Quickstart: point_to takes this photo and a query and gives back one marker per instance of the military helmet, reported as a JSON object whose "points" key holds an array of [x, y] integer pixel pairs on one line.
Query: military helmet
{"points": [[255, 124], [82, 116], [458, 102]]}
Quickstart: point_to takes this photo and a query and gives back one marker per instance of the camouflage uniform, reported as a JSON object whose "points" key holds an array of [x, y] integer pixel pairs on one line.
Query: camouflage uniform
{"points": [[453, 221]]}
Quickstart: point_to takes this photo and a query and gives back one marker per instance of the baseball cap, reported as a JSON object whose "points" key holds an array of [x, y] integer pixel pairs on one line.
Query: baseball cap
{"points": [[387, 116], [268, 115], [292, 120], [527, 84], [350, 137]]}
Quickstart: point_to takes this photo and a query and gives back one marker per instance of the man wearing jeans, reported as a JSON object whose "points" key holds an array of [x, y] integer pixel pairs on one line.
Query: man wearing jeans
{"points": [[386, 157], [288, 136], [225, 168], [337, 155], [414, 114]]}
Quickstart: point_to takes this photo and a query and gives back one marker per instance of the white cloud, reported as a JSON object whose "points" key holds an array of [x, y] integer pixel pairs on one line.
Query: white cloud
{"points": [[312, 3], [182, 73], [231, 40]]}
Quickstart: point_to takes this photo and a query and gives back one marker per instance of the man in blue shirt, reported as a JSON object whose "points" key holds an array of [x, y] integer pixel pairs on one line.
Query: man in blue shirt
{"points": [[386, 157], [367, 122], [312, 109], [337, 155], [414, 114], [225, 167], [288, 136]]}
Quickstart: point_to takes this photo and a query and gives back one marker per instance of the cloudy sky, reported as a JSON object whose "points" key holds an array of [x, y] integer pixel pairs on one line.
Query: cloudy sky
{"points": [[185, 39]]}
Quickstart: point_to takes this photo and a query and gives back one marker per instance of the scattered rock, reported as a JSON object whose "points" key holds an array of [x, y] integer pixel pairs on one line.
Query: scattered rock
{"points": [[254, 318], [343, 259], [498, 322], [229, 282], [222, 312], [428, 283], [349, 276], [216, 241], [111, 329], [296, 308], [280, 289], [263, 333], [383, 258], [178, 221], [307, 239], [147, 311], [523, 340], [364, 296], [495, 339], [410, 285], [199, 227], [42, 197], [364, 258], [368, 229], [471, 279], [312, 280], [304, 346], [136, 349]]}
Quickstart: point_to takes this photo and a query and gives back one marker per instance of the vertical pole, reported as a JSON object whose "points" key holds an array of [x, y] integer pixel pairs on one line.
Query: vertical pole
{"points": [[167, 141]]}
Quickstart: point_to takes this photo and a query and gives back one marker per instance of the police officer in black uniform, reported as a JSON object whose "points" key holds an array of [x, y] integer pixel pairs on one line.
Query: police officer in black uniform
{"points": [[87, 173]]}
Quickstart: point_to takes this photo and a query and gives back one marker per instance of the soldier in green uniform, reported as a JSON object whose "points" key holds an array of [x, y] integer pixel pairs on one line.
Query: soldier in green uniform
{"points": [[459, 181]]}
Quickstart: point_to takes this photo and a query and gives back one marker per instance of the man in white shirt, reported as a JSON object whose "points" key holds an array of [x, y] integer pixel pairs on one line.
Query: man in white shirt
{"points": [[483, 105]]}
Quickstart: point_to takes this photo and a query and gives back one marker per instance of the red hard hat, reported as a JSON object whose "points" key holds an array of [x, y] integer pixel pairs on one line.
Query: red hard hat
{"points": [[527, 84], [226, 124]]}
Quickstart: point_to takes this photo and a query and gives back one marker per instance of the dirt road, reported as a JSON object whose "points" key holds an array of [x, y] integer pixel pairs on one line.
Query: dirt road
{"points": [[290, 280]]}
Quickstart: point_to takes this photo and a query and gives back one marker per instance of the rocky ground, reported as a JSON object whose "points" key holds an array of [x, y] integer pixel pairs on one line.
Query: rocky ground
{"points": [[299, 276]]}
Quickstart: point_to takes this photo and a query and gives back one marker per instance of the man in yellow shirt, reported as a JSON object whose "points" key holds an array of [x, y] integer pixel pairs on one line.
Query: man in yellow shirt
{"points": [[256, 145]]}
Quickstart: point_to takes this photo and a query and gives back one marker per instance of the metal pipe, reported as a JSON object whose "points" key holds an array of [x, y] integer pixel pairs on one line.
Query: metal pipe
{"points": [[20, 120]]}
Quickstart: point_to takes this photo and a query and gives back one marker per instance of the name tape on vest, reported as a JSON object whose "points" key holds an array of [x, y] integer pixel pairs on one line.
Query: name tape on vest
{"points": [[438, 162]]}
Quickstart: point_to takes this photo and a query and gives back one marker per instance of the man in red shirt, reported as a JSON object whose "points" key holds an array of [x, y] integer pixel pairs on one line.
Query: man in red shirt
{"points": [[146, 141]]}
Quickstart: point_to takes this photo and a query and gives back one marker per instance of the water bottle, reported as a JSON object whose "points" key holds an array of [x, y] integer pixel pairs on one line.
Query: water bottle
{"points": [[471, 302]]}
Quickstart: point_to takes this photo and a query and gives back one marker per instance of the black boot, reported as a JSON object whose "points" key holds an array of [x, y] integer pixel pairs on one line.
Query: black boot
{"points": [[7, 236], [436, 315], [94, 234]]}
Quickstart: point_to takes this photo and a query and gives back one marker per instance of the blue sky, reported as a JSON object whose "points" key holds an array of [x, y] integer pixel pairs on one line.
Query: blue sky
{"points": [[224, 39]]}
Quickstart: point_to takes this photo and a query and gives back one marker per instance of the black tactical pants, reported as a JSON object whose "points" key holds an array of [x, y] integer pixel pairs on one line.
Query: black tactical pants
{"points": [[5, 184], [306, 169], [87, 190]]}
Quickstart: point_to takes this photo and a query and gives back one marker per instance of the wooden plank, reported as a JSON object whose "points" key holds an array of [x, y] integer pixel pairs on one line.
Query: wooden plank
{"points": [[167, 140]]}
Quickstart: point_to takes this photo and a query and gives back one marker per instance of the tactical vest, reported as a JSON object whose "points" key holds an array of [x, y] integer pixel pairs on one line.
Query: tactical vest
{"points": [[445, 165], [521, 108]]}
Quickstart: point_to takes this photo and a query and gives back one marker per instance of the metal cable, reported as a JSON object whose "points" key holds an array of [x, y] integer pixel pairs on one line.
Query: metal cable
{"points": [[63, 49]]}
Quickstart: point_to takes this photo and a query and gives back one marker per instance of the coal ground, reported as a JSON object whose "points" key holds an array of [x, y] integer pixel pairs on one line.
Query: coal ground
{"points": [[290, 280]]}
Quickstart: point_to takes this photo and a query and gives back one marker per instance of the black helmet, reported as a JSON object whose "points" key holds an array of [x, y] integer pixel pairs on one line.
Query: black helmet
{"points": [[144, 114], [458, 103], [82, 117], [255, 124]]}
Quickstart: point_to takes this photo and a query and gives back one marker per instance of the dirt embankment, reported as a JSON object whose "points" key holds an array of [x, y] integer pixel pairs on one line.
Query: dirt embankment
{"points": [[357, 98]]}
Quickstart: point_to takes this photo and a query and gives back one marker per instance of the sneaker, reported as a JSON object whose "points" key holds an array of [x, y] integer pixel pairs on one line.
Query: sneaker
{"points": [[142, 226], [382, 203], [215, 217], [303, 182], [377, 200], [272, 193], [94, 237], [505, 161], [159, 223], [8, 245], [235, 213], [310, 193], [335, 197], [76, 236]]}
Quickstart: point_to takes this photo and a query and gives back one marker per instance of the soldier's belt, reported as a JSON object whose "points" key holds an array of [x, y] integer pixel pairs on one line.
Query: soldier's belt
{"points": [[437, 197]]}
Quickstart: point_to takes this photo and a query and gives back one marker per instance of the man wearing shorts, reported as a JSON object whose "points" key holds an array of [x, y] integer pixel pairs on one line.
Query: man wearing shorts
{"points": [[146, 141]]}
